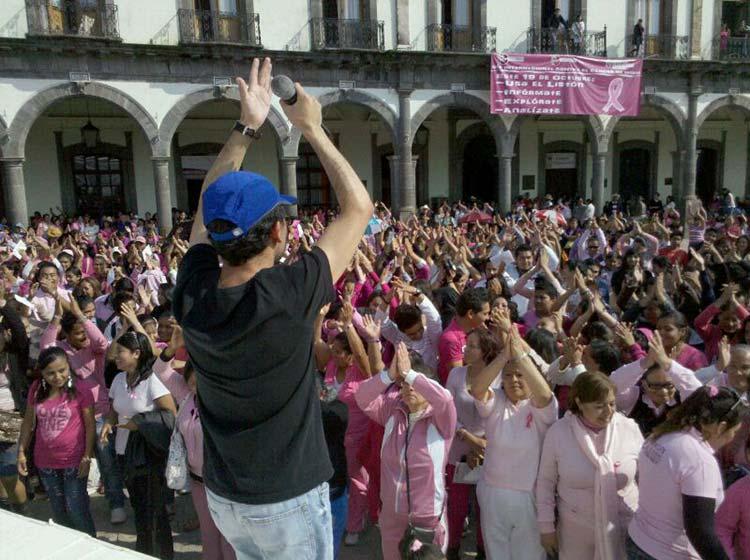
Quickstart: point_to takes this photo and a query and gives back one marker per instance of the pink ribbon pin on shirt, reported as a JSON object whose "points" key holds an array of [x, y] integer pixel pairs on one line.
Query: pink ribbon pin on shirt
{"points": [[614, 92]]}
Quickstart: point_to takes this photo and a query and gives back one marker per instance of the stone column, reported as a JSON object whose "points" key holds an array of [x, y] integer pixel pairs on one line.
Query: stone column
{"points": [[163, 193], [15, 191], [407, 190], [393, 168], [691, 141], [677, 159], [454, 170], [598, 171], [504, 184], [289, 179], [507, 145]]}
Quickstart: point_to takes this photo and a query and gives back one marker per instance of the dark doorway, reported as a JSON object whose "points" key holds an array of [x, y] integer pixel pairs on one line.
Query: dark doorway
{"points": [[330, 9], [480, 169], [635, 173], [548, 6], [561, 174], [707, 172]]}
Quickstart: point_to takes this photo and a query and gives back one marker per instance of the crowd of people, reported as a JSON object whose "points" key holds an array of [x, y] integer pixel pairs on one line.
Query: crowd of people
{"points": [[575, 380], [556, 360]]}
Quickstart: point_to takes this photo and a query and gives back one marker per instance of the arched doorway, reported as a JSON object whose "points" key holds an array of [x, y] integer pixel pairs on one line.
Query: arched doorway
{"points": [[199, 136], [563, 168], [95, 171], [480, 169], [635, 172], [707, 174]]}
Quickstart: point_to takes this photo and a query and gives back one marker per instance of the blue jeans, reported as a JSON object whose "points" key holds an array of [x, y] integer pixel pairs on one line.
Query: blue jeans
{"points": [[68, 499], [109, 468], [339, 511], [296, 529]]}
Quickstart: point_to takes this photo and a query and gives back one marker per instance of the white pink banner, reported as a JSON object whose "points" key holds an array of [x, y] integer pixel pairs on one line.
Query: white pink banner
{"points": [[561, 84]]}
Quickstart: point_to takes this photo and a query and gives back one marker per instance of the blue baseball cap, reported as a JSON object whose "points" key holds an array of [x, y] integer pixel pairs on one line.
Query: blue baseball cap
{"points": [[241, 198]]}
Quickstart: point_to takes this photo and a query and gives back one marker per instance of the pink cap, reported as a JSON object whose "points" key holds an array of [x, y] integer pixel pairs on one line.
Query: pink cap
{"points": [[140, 239]]}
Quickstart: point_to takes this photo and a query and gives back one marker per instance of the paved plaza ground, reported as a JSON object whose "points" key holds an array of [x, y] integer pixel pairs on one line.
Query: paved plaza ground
{"points": [[187, 543]]}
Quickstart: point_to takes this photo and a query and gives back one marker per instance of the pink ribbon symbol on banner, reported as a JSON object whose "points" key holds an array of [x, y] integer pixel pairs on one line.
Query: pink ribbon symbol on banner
{"points": [[614, 92]]}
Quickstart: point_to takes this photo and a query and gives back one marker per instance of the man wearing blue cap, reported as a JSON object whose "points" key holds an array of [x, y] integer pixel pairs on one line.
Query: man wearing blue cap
{"points": [[248, 326]]}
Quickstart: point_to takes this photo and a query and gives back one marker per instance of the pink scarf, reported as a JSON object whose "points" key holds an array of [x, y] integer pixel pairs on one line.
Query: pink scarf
{"points": [[607, 539]]}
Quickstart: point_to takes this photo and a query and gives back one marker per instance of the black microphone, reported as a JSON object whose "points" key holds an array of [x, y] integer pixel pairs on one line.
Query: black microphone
{"points": [[283, 87]]}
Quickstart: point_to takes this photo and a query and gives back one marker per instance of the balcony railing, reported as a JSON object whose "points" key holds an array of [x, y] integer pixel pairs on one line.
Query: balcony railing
{"points": [[567, 41], [72, 18], [731, 48], [659, 46], [206, 26], [443, 37], [328, 33]]}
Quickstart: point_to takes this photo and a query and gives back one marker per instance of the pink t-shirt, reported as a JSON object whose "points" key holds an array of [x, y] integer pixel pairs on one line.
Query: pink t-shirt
{"points": [[450, 349], [60, 431], [675, 464]]}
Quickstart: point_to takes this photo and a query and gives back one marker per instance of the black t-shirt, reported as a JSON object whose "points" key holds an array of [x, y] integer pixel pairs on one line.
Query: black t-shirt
{"points": [[252, 347]]}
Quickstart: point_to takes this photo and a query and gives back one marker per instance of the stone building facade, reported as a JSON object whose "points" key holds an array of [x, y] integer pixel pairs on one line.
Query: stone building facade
{"points": [[109, 105]]}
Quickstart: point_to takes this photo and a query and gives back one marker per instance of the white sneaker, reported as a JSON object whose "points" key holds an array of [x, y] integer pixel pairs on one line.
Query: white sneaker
{"points": [[351, 539], [118, 516]]}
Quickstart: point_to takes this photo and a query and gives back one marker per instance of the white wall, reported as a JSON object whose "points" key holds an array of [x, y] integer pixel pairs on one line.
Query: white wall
{"points": [[13, 22], [41, 174], [144, 21]]}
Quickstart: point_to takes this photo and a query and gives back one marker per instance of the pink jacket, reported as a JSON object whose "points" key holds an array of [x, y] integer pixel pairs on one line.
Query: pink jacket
{"points": [[565, 486], [88, 362], [356, 427], [710, 333], [430, 439], [733, 520], [188, 421]]}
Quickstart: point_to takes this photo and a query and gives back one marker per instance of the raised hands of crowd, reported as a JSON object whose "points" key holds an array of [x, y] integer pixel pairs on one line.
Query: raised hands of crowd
{"points": [[625, 334], [657, 355], [723, 354], [401, 364], [572, 352]]}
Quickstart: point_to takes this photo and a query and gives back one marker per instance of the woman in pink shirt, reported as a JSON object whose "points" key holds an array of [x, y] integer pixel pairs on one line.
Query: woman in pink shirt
{"points": [[517, 418], [481, 348], [679, 480], [587, 475], [733, 519], [346, 365], [86, 348], [419, 429], [182, 387], [673, 328], [60, 414]]}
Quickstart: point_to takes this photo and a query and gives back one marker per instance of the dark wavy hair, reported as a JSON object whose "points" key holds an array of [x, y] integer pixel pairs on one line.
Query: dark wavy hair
{"points": [[138, 341], [46, 357], [488, 343], [705, 406], [238, 251]]}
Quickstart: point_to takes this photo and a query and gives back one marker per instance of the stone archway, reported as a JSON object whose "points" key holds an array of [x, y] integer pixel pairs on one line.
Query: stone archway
{"points": [[355, 97], [668, 109], [182, 108], [740, 102], [27, 115], [465, 101]]}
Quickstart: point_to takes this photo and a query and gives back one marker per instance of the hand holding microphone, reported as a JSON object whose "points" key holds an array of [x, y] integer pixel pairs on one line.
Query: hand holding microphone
{"points": [[302, 109]]}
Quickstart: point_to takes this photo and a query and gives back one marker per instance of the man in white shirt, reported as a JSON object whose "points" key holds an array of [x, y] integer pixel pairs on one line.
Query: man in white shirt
{"points": [[416, 325], [520, 265]]}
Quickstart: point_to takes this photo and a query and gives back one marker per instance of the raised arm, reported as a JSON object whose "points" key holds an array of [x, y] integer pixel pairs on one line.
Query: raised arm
{"points": [[255, 102], [340, 239]]}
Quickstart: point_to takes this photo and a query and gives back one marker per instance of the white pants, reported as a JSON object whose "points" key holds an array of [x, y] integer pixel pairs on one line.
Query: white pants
{"points": [[509, 527]]}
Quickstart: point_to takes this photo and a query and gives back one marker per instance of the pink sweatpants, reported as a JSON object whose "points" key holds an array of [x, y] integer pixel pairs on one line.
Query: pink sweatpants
{"points": [[358, 481], [459, 496], [393, 526], [215, 546]]}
